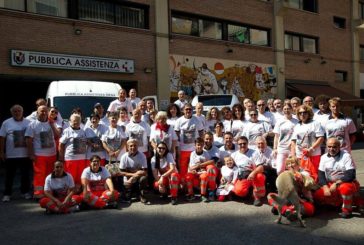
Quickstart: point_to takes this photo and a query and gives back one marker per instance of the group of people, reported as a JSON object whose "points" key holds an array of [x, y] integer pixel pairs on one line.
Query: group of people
{"points": [[229, 153]]}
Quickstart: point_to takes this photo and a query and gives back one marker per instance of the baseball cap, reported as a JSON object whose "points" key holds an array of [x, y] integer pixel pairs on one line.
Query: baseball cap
{"points": [[97, 105]]}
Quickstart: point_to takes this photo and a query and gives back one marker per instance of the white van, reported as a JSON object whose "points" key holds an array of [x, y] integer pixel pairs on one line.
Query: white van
{"points": [[215, 100], [66, 95]]}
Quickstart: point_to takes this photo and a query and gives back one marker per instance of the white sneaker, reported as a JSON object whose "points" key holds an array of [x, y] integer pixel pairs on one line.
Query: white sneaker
{"points": [[6, 198], [27, 196]]}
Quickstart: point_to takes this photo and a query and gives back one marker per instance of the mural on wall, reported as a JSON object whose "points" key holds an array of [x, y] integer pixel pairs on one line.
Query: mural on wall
{"points": [[200, 75]]}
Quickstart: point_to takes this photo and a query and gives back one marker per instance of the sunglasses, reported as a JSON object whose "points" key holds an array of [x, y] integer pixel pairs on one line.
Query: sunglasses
{"points": [[254, 114], [260, 104], [242, 143], [302, 113], [161, 148]]}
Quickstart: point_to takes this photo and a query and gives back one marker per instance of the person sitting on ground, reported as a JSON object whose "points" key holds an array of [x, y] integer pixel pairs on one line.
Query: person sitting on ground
{"points": [[98, 189], [59, 192], [229, 175]]}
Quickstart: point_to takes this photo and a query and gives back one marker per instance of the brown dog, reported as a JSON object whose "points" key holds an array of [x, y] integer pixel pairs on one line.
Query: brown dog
{"points": [[287, 191]]}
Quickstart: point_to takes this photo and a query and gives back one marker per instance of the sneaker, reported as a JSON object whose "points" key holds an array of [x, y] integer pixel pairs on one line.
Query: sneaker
{"points": [[144, 200], [27, 196], [212, 196], [274, 211], [6, 198], [190, 198], [291, 215], [257, 203], [204, 199], [345, 215], [174, 201], [74, 209]]}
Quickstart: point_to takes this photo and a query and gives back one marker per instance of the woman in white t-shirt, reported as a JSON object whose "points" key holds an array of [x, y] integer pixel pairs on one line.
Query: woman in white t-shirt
{"points": [[98, 189], [307, 137], [59, 192], [283, 131], [165, 172]]}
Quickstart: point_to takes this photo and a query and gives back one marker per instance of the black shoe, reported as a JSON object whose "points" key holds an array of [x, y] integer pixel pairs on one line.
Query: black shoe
{"points": [[274, 211], [345, 215], [174, 201], [257, 203]]}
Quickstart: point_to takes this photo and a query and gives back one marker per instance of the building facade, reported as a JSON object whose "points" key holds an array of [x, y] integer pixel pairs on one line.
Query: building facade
{"points": [[252, 48]]}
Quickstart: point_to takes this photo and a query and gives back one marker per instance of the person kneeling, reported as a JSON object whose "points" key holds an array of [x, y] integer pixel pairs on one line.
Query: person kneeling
{"points": [[98, 189], [165, 172], [58, 191], [133, 166], [201, 171]]}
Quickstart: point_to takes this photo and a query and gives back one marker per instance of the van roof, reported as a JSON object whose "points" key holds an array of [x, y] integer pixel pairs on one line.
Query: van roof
{"points": [[83, 88]]}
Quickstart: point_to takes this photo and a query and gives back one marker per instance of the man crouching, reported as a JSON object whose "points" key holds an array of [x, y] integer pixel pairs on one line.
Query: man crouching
{"points": [[133, 166]]}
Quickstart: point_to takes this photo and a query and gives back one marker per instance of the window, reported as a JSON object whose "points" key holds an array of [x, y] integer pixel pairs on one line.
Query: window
{"points": [[361, 52], [129, 16], [124, 14], [238, 34], [307, 5], [246, 34], [297, 42], [339, 22], [13, 4], [184, 26], [209, 29], [48, 7], [196, 27], [341, 76], [112, 13], [96, 11]]}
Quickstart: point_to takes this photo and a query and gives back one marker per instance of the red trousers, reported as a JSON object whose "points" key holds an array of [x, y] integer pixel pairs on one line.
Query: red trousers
{"points": [[242, 186], [75, 168], [48, 203], [202, 180], [184, 160], [42, 167], [99, 199], [345, 195], [171, 183], [307, 208]]}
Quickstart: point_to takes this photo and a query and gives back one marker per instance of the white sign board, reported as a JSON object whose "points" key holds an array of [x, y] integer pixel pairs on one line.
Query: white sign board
{"points": [[70, 62]]}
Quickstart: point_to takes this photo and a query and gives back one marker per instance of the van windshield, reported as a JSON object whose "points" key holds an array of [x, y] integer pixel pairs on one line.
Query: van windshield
{"points": [[66, 104], [213, 100]]}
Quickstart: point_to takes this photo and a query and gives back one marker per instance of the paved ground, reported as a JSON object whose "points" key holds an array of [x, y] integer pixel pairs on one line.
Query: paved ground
{"points": [[187, 223]]}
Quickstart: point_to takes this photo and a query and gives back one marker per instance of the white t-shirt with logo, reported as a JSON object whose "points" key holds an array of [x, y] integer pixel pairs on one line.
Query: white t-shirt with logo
{"points": [[164, 163], [94, 135], [113, 137], [97, 181], [158, 135], [189, 131], [59, 186], [341, 128], [75, 142], [139, 131], [335, 167], [43, 138], [284, 130], [14, 133]]}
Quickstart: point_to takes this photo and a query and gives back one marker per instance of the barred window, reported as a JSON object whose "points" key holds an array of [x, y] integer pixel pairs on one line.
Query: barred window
{"points": [[48, 7]]}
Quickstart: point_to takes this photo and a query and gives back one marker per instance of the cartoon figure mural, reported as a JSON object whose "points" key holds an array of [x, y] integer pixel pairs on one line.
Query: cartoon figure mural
{"points": [[200, 75]]}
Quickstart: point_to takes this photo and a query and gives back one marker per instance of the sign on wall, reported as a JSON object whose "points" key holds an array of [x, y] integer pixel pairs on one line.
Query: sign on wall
{"points": [[202, 75], [70, 62]]}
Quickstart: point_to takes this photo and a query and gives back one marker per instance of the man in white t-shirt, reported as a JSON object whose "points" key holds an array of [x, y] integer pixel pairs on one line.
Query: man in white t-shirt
{"points": [[337, 177], [133, 166], [188, 128], [122, 101], [40, 140], [13, 152], [134, 100], [181, 102]]}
